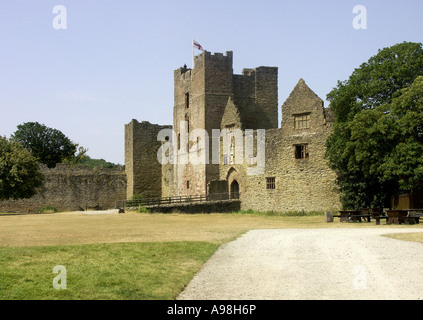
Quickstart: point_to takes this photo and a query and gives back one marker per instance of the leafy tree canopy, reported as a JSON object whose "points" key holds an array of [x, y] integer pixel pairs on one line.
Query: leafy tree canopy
{"points": [[49, 146], [19, 171], [376, 147], [377, 81]]}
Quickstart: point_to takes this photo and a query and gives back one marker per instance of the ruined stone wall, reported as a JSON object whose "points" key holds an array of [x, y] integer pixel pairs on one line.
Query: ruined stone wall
{"points": [[266, 86], [300, 184], [188, 115], [255, 93], [211, 97], [143, 169], [202, 97], [73, 189]]}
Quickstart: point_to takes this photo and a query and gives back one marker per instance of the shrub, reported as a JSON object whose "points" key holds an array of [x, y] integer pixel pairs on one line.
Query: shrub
{"points": [[301, 213], [49, 209], [142, 209], [138, 197]]}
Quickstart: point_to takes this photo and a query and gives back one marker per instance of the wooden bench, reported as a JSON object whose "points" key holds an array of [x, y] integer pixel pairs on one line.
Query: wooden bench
{"points": [[413, 216], [344, 216], [358, 215], [405, 216]]}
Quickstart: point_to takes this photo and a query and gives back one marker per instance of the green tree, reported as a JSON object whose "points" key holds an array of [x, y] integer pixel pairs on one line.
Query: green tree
{"points": [[365, 130], [19, 171], [377, 81], [98, 163], [404, 162], [77, 158], [50, 146]]}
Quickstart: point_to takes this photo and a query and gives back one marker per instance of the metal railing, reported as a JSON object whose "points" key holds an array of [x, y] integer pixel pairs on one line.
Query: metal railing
{"points": [[176, 199]]}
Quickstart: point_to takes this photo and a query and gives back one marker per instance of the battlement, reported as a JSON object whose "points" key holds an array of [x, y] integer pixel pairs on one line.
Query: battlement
{"points": [[267, 70], [249, 72], [216, 58]]}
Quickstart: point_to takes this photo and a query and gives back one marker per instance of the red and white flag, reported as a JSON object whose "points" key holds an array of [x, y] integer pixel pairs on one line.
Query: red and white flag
{"points": [[197, 45]]}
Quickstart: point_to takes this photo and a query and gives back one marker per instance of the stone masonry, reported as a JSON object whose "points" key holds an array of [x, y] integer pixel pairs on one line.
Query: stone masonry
{"points": [[143, 170], [209, 97], [73, 189]]}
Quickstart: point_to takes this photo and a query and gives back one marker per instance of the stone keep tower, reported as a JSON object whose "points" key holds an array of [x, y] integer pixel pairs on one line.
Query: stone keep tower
{"points": [[202, 95]]}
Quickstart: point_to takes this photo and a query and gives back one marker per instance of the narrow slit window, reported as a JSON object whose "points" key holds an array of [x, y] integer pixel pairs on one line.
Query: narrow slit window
{"points": [[179, 141], [187, 100]]}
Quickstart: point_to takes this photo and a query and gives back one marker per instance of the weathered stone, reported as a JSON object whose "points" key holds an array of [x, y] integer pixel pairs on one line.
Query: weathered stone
{"points": [[73, 189], [328, 216], [143, 171], [211, 97]]}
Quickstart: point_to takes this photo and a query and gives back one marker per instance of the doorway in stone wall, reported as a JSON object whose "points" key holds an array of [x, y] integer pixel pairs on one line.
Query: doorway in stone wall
{"points": [[234, 190]]}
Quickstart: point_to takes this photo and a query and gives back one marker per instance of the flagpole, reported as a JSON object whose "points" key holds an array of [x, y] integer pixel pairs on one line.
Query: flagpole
{"points": [[192, 53]]}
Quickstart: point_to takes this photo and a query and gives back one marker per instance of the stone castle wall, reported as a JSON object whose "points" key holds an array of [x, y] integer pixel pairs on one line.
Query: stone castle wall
{"points": [[300, 184], [211, 97], [203, 95], [143, 170], [73, 189]]}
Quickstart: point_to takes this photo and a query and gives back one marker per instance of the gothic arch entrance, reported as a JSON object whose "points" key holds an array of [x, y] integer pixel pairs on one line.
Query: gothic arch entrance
{"points": [[234, 190]]}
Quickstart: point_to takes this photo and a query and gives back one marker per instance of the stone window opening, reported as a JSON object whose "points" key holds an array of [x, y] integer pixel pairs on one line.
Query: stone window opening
{"points": [[302, 121], [187, 122], [234, 190], [187, 100], [187, 184], [301, 151], [271, 183], [179, 141]]}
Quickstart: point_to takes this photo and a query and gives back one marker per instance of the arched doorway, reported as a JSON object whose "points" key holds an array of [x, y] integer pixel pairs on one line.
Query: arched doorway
{"points": [[234, 190]]}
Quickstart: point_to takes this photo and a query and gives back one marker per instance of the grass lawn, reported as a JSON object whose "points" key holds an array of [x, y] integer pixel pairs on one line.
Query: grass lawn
{"points": [[114, 271], [125, 256], [416, 237]]}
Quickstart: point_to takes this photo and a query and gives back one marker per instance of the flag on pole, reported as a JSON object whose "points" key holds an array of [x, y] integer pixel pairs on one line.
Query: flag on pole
{"points": [[197, 45]]}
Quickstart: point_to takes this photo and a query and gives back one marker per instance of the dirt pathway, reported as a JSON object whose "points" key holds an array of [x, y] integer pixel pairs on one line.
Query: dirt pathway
{"points": [[312, 264]]}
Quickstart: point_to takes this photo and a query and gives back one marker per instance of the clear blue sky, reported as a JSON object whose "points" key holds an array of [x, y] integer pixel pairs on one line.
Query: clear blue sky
{"points": [[115, 60]]}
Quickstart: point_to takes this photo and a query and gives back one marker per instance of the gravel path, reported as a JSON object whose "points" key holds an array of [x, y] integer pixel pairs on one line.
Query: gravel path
{"points": [[314, 264], [111, 211]]}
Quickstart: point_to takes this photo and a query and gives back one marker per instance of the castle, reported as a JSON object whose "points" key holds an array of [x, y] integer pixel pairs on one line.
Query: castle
{"points": [[266, 167]]}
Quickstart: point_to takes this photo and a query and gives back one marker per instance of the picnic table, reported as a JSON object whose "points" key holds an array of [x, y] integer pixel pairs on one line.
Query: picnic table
{"points": [[358, 215], [404, 216], [345, 215], [352, 215]]}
